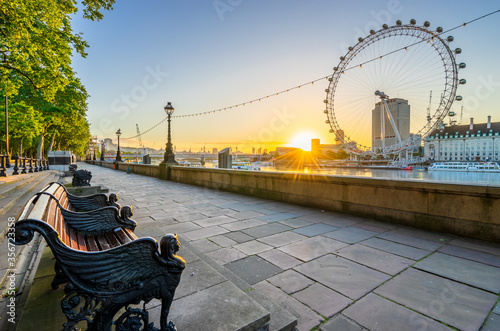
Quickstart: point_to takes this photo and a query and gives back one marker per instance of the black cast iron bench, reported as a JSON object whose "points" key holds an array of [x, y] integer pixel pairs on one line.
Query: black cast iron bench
{"points": [[84, 203], [106, 268]]}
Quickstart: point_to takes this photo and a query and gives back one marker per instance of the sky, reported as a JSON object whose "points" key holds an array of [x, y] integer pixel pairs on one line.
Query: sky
{"points": [[204, 55]]}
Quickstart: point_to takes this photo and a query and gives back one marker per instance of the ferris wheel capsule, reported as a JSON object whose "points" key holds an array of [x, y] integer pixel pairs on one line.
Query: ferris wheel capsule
{"points": [[413, 21], [331, 131], [327, 121], [398, 22], [458, 50], [458, 98], [325, 111], [439, 29], [342, 58], [427, 24], [450, 39], [372, 31], [462, 65], [385, 26], [462, 81], [360, 39], [350, 48], [451, 113]]}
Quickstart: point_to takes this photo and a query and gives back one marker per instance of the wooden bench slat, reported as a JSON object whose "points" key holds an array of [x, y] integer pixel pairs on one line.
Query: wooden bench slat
{"points": [[122, 236], [82, 246], [102, 242], [113, 241], [130, 234], [73, 243], [92, 243]]}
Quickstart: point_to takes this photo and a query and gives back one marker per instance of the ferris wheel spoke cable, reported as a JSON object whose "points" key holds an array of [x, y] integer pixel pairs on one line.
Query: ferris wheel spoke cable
{"points": [[319, 79]]}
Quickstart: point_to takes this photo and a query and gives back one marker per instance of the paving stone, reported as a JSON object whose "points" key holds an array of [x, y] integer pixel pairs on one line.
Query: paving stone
{"points": [[180, 227], [196, 277], [252, 247], [478, 245], [496, 310], [438, 237], [277, 217], [290, 281], [266, 230], [492, 323], [470, 254], [191, 313], [340, 323], [411, 241], [322, 300], [295, 222], [253, 269], [349, 278], [376, 313], [266, 211], [280, 259], [469, 272], [241, 225], [239, 236], [315, 229], [312, 248], [281, 239], [223, 241], [455, 304], [350, 234], [188, 217], [226, 255], [205, 245], [216, 212], [307, 318], [396, 248], [212, 221], [243, 215], [376, 259], [369, 227], [205, 233]]}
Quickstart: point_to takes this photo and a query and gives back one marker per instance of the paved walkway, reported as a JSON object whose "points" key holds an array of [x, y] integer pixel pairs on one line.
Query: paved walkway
{"points": [[332, 271]]}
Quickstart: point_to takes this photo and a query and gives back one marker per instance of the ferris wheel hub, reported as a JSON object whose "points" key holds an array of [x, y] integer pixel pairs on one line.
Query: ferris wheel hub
{"points": [[382, 95]]}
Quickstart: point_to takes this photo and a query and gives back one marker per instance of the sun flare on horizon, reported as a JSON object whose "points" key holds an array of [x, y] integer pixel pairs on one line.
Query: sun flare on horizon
{"points": [[302, 140]]}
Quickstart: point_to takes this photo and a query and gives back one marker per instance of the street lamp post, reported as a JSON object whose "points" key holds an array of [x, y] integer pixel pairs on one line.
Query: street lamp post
{"points": [[102, 151], [7, 134], [169, 156], [118, 154]]}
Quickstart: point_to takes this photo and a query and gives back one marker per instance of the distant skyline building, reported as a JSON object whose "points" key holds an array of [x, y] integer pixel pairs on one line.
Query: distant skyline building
{"points": [[400, 110], [317, 147], [471, 142]]}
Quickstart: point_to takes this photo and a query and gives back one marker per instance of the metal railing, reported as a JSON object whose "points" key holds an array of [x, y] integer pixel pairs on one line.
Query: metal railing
{"points": [[22, 165]]}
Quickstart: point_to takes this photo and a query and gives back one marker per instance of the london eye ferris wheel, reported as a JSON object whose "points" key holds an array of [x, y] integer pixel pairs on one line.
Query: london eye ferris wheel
{"points": [[392, 89]]}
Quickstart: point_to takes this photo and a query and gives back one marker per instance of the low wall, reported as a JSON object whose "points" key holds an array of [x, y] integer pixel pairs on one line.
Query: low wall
{"points": [[466, 210], [140, 169]]}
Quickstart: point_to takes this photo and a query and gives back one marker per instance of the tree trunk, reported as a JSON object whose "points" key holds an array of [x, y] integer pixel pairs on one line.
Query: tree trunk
{"points": [[51, 143], [39, 149], [21, 147]]}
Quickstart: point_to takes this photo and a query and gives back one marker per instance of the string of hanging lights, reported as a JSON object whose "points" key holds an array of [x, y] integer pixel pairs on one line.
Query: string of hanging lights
{"points": [[359, 66]]}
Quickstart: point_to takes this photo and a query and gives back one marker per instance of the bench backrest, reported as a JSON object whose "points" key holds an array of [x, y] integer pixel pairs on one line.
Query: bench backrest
{"points": [[43, 207]]}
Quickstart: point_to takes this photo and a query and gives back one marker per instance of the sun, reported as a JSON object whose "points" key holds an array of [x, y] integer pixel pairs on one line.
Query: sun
{"points": [[302, 140]]}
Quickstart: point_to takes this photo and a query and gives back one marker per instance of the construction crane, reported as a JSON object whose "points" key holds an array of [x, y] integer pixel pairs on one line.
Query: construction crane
{"points": [[141, 145], [429, 108]]}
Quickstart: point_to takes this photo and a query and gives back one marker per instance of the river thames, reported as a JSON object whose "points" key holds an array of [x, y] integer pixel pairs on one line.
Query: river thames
{"points": [[456, 177]]}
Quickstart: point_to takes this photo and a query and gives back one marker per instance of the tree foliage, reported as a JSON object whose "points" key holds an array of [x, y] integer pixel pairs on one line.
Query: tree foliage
{"points": [[46, 99], [37, 42]]}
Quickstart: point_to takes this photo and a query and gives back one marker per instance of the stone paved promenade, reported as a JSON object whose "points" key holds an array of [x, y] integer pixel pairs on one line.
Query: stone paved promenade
{"points": [[332, 271]]}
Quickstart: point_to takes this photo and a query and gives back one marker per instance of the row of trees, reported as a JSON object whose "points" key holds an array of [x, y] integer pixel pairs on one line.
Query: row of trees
{"points": [[47, 103]]}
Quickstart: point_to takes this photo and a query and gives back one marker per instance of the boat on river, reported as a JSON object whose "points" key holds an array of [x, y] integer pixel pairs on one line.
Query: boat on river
{"points": [[465, 166]]}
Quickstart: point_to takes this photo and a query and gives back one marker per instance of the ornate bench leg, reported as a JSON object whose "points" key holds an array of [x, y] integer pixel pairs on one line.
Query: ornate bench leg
{"points": [[75, 310]]}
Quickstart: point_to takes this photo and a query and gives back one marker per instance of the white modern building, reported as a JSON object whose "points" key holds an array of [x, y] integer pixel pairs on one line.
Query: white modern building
{"points": [[472, 142], [400, 111]]}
